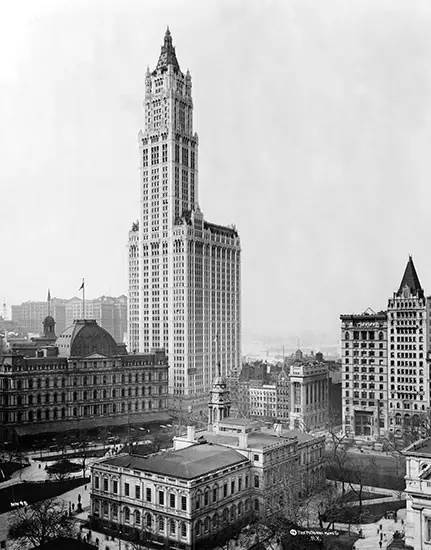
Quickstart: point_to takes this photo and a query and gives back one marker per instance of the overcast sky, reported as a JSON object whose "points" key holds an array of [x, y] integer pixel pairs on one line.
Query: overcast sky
{"points": [[314, 121]]}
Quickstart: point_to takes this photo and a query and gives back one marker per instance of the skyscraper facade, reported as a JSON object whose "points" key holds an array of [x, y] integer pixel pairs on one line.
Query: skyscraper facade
{"points": [[385, 374], [189, 269]]}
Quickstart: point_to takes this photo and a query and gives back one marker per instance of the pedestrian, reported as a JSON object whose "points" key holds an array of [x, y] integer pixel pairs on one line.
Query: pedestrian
{"points": [[380, 543], [381, 527], [377, 530]]}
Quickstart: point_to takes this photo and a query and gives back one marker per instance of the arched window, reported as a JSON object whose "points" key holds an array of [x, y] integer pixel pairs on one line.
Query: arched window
{"points": [[114, 408], [215, 522], [55, 413], [225, 515], [380, 335], [183, 529], [206, 525], [30, 416], [137, 517], [347, 335], [240, 508], [126, 515], [47, 414], [39, 399], [233, 513], [46, 382], [198, 527], [55, 397], [38, 414], [114, 510], [63, 413], [149, 521], [172, 527], [256, 505], [161, 523], [75, 411]]}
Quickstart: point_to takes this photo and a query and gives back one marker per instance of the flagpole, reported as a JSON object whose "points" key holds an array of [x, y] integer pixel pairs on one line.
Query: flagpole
{"points": [[83, 299]]}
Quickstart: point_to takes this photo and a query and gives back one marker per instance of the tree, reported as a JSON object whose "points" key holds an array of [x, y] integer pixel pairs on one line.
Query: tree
{"points": [[39, 523], [337, 457]]}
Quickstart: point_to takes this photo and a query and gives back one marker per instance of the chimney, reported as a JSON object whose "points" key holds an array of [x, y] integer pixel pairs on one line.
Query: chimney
{"points": [[191, 434], [243, 440], [277, 429]]}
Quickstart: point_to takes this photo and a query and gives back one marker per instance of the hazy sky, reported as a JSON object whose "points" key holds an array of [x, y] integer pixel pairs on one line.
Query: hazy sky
{"points": [[314, 120]]}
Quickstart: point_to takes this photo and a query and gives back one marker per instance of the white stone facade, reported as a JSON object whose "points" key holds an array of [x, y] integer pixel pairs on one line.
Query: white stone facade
{"points": [[418, 490], [189, 275]]}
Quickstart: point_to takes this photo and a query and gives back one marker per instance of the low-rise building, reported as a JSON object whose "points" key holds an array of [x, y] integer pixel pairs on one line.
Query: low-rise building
{"points": [[263, 400], [309, 403], [81, 379], [418, 491], [212, 480], [182, 498]]}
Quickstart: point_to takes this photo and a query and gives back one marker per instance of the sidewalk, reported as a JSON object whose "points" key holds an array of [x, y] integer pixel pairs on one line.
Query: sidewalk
{"points": [[371, 531]]}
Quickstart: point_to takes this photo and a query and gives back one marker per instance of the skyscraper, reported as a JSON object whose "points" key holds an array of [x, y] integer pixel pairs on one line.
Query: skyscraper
{"points": [[189, 269], [385, 375]]}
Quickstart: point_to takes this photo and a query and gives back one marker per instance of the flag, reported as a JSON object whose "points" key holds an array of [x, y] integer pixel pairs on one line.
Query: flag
{"points": [[82, 286]]}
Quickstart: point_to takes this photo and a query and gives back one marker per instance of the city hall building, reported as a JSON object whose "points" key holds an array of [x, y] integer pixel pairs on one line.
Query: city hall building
{"points": [[211, 483], [80, 380], [184, 272]]}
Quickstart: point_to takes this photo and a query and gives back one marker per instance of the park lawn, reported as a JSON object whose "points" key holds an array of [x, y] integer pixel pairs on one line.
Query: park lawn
{"points": [[9, 468], [370, 477], [352, 496], [33, 491], [370, 512], [78, 454]]}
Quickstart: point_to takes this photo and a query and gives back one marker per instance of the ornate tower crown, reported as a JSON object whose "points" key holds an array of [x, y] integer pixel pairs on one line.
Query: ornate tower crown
{"points": [[167, 55]]}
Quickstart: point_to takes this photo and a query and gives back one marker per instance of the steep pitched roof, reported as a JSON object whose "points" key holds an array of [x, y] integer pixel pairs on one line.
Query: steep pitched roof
{"points": [[411, 280], [167, 55]]}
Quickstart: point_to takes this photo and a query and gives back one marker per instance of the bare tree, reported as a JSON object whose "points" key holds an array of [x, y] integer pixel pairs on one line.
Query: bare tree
{"points": [[39, 523], [337, 456]]}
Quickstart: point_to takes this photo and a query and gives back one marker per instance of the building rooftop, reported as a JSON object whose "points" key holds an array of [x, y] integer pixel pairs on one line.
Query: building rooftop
{"points": [[84, 338], [419, 448], [188, 463]]}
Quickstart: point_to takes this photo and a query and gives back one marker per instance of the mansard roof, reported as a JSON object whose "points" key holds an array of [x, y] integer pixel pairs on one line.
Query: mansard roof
{"points": [[167, 55], [411, 280]]}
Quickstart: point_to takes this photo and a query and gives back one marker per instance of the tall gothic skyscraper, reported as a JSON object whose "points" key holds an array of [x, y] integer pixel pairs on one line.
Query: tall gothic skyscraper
{"points": [[188, 288]]}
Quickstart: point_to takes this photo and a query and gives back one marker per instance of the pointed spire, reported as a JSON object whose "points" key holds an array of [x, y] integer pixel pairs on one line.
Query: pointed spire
{"points": [[167, 55], [411, 280]]}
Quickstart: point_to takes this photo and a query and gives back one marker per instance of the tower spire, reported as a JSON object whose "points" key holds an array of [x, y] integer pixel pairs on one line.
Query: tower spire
{"points": [[167, 55], [411, 280]]}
